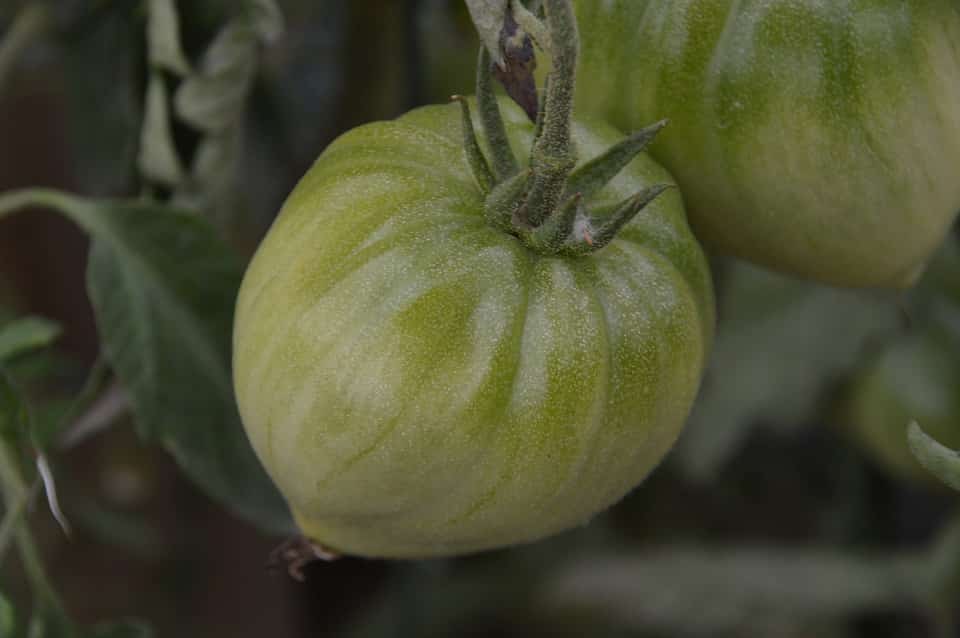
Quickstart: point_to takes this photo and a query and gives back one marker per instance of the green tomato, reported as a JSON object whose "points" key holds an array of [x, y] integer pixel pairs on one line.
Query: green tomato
{"points": [[915, 379], [419, 383], [821, 139]]}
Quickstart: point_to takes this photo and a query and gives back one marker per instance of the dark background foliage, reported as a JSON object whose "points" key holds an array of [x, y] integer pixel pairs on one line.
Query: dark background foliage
{"points": [[776, 516]]}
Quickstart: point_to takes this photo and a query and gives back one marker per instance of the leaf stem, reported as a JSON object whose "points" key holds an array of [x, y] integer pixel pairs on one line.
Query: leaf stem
{"points": [[15, 490], [81, 211], [938, 459], [16, 506]]}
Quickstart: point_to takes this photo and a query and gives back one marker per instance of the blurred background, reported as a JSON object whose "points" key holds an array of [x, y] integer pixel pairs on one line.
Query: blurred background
{"points": [[791, 506]]}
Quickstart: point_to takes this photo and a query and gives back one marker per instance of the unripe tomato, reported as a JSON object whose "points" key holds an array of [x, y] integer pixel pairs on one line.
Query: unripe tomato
{"points": [[821, 139], [420, 383], [915, 379]]}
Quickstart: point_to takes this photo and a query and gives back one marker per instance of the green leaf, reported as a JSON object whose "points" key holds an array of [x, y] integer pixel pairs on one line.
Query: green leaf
{"points": [[212, 100], [8, 617], [781, 343], [912, 378], [13, 413], [163, 289], [101, 68], [266, 18], [696, 592], [163, 38], [940, 460], [14, 424], [158, 160], [489, 16], [22, 335], [213, 175]]}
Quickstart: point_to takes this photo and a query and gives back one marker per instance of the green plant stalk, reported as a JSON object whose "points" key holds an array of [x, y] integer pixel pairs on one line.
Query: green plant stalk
{"points": [[15, 508], [81, 211], [29, 24], [944, 568], [504, 163], [544, 206], [553, 156], [15, 491]]}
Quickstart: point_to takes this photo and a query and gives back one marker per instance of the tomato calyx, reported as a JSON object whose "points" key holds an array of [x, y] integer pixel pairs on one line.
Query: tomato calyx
{"points": [[545, 205]]}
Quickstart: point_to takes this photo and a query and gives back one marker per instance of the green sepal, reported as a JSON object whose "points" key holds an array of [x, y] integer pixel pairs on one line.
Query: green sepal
{"points": [[504, 162], [598, 172], [553, 234], [542, 111], [502, 206], [593, 240], [478, 163]]}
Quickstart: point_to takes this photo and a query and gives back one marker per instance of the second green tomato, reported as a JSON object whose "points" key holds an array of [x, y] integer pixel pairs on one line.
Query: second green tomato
{"points": [[820, 139]]}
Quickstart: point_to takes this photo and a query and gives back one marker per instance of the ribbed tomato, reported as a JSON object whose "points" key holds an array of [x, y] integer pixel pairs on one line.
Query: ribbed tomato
{"points": [[419, 382], [818, 138]]}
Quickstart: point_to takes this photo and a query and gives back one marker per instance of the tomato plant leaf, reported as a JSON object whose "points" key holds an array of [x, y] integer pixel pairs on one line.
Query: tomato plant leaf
{"points": [[697, 592], [104, 113], [780, 344], [943, 462], [13, 413], [212, 99], [163, 288], [28, 333], [8, 616], [489, 16], [266, 18], [158, 160], [213, 171], [163, 38]]}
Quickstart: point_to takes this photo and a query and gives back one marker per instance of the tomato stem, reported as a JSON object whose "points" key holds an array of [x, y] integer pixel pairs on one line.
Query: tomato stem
{"points": [[544, 205], [504, 162], [553, 156], [542, 110], [501, 208]]}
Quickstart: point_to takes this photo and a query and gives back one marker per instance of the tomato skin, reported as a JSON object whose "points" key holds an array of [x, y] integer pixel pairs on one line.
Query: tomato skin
{"points": [[418, 383], [821, 139], [914, 379]]}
